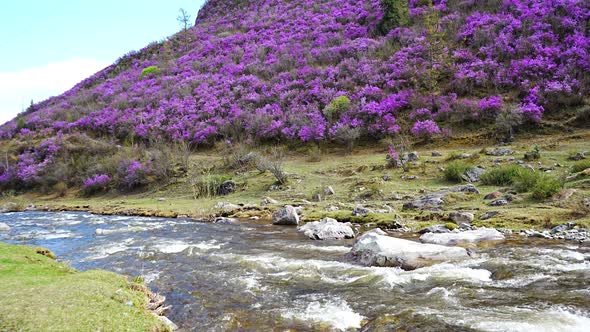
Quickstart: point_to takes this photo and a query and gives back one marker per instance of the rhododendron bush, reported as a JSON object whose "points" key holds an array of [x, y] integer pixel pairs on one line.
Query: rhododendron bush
{"points": [[316, 70]]}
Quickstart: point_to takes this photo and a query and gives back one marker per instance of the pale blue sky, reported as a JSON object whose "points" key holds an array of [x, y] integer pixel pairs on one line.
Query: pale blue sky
{"points": [[48, 46]]}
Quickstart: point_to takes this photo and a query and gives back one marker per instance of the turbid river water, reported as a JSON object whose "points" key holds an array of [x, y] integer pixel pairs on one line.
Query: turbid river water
{"points": [[259, 277]]}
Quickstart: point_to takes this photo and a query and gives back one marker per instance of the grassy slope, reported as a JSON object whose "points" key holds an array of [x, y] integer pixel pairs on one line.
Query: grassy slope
{"points": [[347, 174], [41, 294]]}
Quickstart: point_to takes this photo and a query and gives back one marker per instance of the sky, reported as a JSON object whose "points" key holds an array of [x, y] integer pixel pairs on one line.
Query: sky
{"points": [[46, 47]]}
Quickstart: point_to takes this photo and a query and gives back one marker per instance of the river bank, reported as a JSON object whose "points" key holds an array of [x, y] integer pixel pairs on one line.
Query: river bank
{"points": [[42, 294]]}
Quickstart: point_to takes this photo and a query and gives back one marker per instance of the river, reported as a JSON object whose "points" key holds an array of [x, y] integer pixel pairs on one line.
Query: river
{"points": [[254, 276]]}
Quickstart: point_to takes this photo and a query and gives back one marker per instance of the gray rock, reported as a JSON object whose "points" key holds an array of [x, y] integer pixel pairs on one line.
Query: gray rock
{"points": [[436, 154], [461, 217], [386, 178], [286, 216], [4, 227], [434, 229], [435, 200], [361, 211], [489, 215], [473, 236], [473, 174], [499, 202], [578, 156], [332, 208], [467, 188], [586, 202], [327, 229], [268, 201], [465, 226], [375, 248], [499, 152], [409, 177], [226, 207], [328, 191], [464, 156], [227, 188], [225, 221], [168, 323], [411, 156], [316, 198]]}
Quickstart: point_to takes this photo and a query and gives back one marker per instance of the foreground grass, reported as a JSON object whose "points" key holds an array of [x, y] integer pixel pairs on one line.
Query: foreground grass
{"points": [[41, 294]]}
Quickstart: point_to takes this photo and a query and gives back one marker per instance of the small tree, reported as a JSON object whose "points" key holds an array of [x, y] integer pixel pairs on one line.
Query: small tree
{"points": [[395, 13], [184, 19]]}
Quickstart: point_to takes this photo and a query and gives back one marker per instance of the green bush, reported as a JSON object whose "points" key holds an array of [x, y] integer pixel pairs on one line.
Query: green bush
{"points": [[501, 176], [396, 13], [455, 170], [581, 165], [149, 70], [526, 180], [336, 107], [207, 185], [546, 187], [534, 154]]}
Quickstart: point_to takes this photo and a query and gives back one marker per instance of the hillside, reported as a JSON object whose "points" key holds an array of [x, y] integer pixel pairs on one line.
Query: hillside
{"points": [[311, 71]]}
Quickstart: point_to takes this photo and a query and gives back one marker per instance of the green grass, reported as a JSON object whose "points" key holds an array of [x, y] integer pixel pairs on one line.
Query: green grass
{"points": [[41, 294], [501, 176], [581, 165]]}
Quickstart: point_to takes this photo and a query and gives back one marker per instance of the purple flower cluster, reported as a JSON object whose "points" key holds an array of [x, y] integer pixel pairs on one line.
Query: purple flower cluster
{"points": [[96, 183], [132, 174], [268, 70], [425, 129]]}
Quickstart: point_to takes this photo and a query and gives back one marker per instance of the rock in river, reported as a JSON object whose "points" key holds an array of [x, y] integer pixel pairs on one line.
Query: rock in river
{"points": [[286, 216], [4, 227], [474, 236], [375, 248], [327, 229]]}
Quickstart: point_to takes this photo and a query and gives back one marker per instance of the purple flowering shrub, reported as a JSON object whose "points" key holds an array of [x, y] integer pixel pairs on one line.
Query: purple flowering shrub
{"points": [[310, 71], [96, 183], [425, 129], [132, 174]]}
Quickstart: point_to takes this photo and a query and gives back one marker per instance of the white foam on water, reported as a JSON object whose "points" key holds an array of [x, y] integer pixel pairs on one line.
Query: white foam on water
{"points": [[110, 249], [555, 319], [46, 234], [336, 312], [311, 247], [448, 271], [129, 229], [171, 246]]}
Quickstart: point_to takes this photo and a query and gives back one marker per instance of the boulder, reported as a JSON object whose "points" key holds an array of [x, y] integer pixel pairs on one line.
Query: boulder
{"points": [[499, 152], [586, 202], [268, 201], [361, 211], [316, 198], [227, 188], [435, 200], [375, 248], [436, 154], [499, 202], [564, 194], [225, 221], [473, 236], [226, 207], [286, 216], [473, 174], [411, 156], [461, 217], [489, 215], [434, 229], [327, 229], [578, 156], [4, 227], [328, 191], [493, 195]]}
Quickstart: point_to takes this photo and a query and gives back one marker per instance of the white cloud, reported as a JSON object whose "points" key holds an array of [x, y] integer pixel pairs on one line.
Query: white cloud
{"points": [[39, 83]]}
